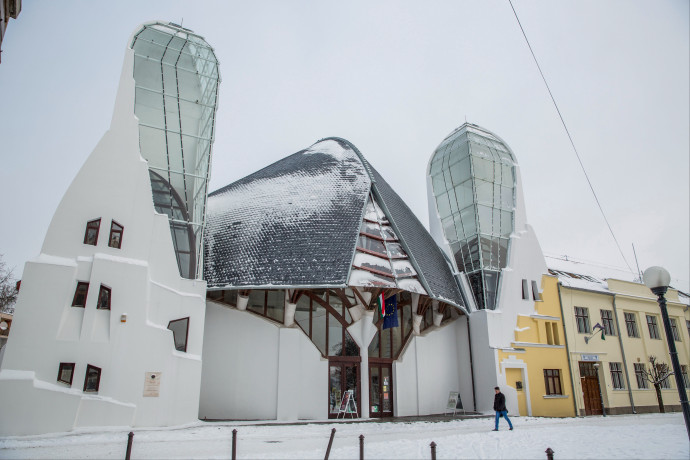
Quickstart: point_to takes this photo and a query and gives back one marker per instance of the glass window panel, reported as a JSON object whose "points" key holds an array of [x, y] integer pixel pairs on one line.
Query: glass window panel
{"points": [[406, 323], [485, 192], [318, 332], [396, 250], [275, 305], [388, 233], [334, 389], [371, 229], [374, 344], [180, 328], [449, 229], [485, 215], [496, 228], [371, 244], [506, 198], [507, 175], [335, 336], [483, 169], [464, 195], [446, 177], [396, 336], [468, 221], [506, 223], [438, 184], [386, 343], [302, 313], [256, 301], [443, 205], [503, 252], [230, 297], [458, 227]]}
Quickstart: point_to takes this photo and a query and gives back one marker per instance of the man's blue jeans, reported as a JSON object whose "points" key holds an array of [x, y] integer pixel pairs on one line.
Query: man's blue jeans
{"points": [[504, 414]]}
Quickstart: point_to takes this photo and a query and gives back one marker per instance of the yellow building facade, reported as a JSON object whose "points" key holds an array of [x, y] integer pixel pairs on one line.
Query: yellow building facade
{"points": [[537, 365], [606, 368]]}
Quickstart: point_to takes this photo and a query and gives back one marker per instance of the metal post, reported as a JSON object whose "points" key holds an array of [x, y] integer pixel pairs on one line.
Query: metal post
{"points": [[234, 444], [130, 439], [361, 447], [660, 291], [330, 443], [549, 453], [433, 450]]}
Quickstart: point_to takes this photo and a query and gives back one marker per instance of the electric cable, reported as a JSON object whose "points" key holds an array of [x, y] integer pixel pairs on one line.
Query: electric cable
{"points": [[591, 187]]}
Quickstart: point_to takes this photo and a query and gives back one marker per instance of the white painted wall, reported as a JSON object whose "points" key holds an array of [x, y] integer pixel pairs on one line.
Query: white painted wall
{"points": [[430, 367], [255, 369], [112, 184]]}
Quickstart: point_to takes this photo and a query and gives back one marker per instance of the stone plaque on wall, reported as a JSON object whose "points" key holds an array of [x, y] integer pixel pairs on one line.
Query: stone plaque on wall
{"points": [[152, 384]]}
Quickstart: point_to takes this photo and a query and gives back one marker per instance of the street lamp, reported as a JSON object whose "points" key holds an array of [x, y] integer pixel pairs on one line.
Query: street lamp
{"points": [[657, 279]]}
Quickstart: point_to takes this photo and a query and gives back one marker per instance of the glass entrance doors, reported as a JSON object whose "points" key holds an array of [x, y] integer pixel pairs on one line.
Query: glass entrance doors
{"points": [[380, 389], [342, 376]]}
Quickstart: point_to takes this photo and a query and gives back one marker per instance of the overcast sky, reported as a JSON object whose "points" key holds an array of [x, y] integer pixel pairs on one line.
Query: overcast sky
{"points": [[394, 78]]}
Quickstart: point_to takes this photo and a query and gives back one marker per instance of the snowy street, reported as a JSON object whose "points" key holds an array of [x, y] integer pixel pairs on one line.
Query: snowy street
{"points": [[639, 436]]}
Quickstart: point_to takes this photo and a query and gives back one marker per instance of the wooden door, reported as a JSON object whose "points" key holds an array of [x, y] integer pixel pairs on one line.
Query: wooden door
{"points": [[590, 389]]}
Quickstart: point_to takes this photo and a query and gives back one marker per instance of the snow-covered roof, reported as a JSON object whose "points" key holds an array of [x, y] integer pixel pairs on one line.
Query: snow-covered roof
{"points": [[586, 275], [297, 223]]}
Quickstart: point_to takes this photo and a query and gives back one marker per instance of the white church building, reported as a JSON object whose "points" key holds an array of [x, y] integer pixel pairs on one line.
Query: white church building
{"points": [[155, 303]]}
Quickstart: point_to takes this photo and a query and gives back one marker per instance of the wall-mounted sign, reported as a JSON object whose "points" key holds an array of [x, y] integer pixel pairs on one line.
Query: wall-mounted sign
{"points": [[590, 358], [152, 384]]}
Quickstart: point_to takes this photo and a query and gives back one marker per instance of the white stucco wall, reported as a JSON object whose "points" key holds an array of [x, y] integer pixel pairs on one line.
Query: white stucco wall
{"points": [[255, 369], [431, 366], [113, 184]]}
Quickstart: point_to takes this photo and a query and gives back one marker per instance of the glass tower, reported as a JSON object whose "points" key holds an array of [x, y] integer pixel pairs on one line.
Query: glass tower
{"points": [[473, 184], [176, 92]]}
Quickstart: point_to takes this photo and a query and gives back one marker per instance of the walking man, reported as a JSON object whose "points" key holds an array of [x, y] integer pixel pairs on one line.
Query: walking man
{"points": [[500, 408]]}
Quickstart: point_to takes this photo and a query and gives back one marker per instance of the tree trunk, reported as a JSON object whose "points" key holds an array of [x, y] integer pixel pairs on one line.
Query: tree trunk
{"points": [[657, 387]]}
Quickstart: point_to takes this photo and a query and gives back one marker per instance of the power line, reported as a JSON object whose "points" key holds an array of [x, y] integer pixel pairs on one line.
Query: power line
{"points": [[570, 137]]}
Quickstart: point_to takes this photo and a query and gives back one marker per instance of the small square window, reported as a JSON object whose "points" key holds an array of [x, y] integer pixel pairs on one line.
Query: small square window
{"points": [[91, 235], [115, 240], [65, 373], [93, 378], [103, 298], [80, 294]]}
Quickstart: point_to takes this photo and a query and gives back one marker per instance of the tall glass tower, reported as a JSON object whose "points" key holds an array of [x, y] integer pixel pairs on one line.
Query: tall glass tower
{"points": [[472, 183], [176, 92]]}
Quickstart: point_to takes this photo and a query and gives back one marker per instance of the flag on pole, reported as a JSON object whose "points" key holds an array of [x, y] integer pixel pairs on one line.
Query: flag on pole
{"points": [[391, 316], [380, 303]]}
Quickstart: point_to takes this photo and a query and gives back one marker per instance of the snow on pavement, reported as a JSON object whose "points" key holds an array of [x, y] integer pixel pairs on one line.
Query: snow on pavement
{"points": [[649, 436]]}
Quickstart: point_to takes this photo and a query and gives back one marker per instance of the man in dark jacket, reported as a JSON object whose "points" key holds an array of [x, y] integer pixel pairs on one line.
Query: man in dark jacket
{"points": [[500, 408]]}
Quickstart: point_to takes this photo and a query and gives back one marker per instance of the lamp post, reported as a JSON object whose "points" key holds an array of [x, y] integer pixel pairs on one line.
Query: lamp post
{"points": [[601, 397], [657, 279]]}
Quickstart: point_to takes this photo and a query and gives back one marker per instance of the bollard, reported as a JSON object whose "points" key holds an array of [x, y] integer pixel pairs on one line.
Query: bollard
{"points": [[361, 447], [330, 443], [549, 453], [234, 444], [130, 439], [433, 450]]}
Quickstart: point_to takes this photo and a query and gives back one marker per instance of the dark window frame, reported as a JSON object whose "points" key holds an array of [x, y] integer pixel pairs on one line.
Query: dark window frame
{"points": [[607, 322], [642, 383], [114, 231], [186, 334], [582, 320], [653, 327], [77, 294], [617, 376], [525, 290], [631, 325], [684, 374], [536, 295], [674, 330], [553, 377], [61, 368], [103, 289], [96, 227], [89, 367]]}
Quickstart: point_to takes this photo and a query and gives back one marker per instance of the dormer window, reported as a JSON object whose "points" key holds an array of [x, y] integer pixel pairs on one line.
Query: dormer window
{"points": [[115, 240], [91, 235]]}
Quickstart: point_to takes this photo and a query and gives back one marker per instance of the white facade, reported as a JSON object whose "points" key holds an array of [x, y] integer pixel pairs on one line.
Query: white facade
{"points": [[128, 342], [493, 329]]}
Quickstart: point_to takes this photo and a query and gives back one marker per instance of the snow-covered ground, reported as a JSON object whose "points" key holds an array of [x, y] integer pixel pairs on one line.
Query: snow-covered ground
{"points": [[653, 436]]}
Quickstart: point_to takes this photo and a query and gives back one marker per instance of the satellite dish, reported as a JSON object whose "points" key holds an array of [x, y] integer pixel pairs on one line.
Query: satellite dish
{"points": [[4, 326]]}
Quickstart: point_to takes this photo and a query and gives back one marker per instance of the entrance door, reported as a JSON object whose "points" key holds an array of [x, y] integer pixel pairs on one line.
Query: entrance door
{"points": [[342, 376], [590, 388], [380, 389]]}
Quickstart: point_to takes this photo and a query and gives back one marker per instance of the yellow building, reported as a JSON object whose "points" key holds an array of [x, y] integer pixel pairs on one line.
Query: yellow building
{"points": [[537, 365], [607, 368]]}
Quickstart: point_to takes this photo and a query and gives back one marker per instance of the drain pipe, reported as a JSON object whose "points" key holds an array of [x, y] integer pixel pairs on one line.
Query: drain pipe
{"points": [[625, 364], [567, 349]]}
